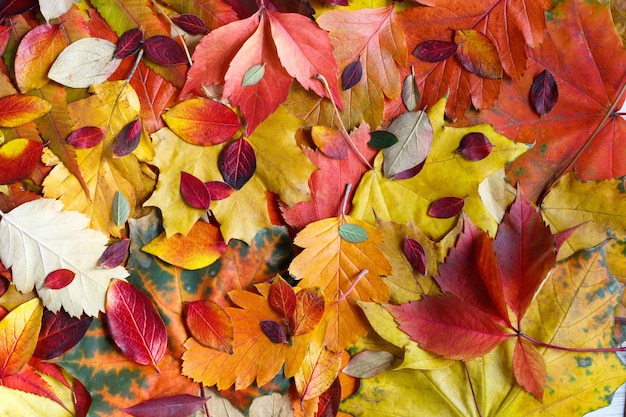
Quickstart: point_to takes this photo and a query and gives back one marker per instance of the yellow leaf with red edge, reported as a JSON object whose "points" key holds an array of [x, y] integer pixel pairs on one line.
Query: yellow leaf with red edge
{"points": [[255, 357], [319, 370], [201, 247], [345, 271], [18, 336], [35, 54], [18, 159], [17, 109], [210, 325], [477, 53]]}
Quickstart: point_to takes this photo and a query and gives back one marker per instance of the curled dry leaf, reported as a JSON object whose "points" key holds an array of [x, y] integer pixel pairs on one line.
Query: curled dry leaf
{"points": [[86, 137], [190, 23], [475, 146], [129, 43], [435, 50], [544, 92], [210, 325], [164, 51], [446, 207], [237, 163], [128, 139], [351, 75], [194, 191], [59, 278]]}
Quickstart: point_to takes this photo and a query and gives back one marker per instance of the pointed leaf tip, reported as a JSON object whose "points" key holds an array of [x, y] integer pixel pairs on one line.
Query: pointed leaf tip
{"points": [[237, 163], [190, 23], [210, 325], [351, 75], [129, 43], [59, 278], [446, 207], [544, 93], [274, 331], [194, 191], [128, 139], [115, 254], [475, 146]]}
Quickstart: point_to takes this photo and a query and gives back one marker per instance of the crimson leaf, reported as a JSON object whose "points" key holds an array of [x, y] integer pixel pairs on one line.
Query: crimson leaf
{"points": [[128, 43], [237, 163], [434, 50], [194, 191], [59, 333], [544, 92], [128, 139], [164, 51]]}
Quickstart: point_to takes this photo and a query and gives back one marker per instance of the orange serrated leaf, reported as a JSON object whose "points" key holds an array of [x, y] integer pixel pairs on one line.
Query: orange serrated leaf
{"points": [[308, 312], [18, 331]]}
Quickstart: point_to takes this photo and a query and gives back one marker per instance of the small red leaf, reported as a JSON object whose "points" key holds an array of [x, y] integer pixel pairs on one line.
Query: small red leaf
{"points": [[86, 137], [351, 75], [446, 207], [59, 278], [115, 254], [164, 50], [328, 404], [282, 298], [180, 405], [274, 331], [128, 139], [210, 325], [82, 398], [475, 146], [308, 312], [18, 159], [191, 24], [11, 8], [194, 191], [219, 190], [529, 368], [237, 163], [135, 324], [128, 43], [415, 254], [59, 333], [434, 50], [409, 173], [544, 93]]}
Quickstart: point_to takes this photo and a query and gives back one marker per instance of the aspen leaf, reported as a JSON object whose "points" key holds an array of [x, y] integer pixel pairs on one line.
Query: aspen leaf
{"points": [[38, 238], [85, 62]]}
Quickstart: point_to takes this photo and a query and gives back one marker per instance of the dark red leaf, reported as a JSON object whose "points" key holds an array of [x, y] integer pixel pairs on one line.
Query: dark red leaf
{"points": [[59, 333], [544, 93], [434, 50], [4, 285], [115, 254], [194, 191], [12, 7], [128, 139], [164, 50], [129, 43], [180, 405], [351, 75], [302, 7], [237, 163], [3, 312], [219, 190], [86, 137], [446, 207], [282, 298], [190, 23], [59, 278], [135, 324], [415, 254], [274, 331], [409, 173], [475, 146], [82, 398], [328, 403]]}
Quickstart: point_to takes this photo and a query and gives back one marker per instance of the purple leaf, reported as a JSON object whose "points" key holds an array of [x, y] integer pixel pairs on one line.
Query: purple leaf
{"points": [[128, 43], [59, 333], [446, 207], [164, 50], [237, 163], [115, 254], [180, 405], [351, 75], [128, 139], [11, 8], [434, 50], [190, 23], [415, 254], [274, 331], [544, 93]]}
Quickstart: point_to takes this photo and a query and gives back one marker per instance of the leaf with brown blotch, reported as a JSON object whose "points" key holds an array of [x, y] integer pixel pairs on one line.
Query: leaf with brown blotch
{"points": [[210, 325], [17, 109], [127, 139], [415, 254], [115, 254], [18, 159], [274, 331], [237, 163], [202, 121], [194, 191], [529, 368], [190, 23], [477, 54], [18, 331], [129, 43], [86, 137], [435, 50], [475, 146], [59, 278], [135, 324], [544, 92], [308, 312], [282, 298], [179, 405], [446, 207], [59, 333], [164, 51], [330, 141]]}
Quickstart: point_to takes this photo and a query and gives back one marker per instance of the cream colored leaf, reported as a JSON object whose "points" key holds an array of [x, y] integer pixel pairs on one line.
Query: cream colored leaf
{"points": [[37, 238], [51, 9], [85, 62]]}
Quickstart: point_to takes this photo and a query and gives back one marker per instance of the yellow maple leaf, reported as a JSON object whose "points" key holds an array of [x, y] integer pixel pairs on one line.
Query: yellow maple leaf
{"points": [[446, 173], [334, 264], [104, 174]]}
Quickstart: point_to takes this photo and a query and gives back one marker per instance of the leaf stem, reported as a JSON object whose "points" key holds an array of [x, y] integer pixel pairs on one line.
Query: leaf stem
{"points": [[203, 395], [126, 81], [344, 202], [471, 384], [356, 281], [344, 131], [571, 349]]}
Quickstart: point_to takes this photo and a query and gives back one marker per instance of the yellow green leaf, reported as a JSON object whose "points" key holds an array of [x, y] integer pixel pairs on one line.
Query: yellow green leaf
{"points": [[445, 174]]}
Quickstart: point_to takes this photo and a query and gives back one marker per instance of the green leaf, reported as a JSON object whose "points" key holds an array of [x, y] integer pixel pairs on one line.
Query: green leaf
{"points": [[381, 139], [253, 75], [120, 209], [353, 233]]}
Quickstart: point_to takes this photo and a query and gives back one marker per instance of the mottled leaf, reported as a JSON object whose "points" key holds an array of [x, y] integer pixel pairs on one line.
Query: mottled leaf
{"points": [[330, 141]]}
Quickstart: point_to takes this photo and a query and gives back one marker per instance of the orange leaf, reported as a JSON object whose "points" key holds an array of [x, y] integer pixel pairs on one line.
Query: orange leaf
{"points": [[282, 298], [529, 368], [18, 332], [17, 109], [336, 266], [330, 141], [201, 247], [18, 159], [210, 325], [319, 370], [477, 53], [308, 312]]}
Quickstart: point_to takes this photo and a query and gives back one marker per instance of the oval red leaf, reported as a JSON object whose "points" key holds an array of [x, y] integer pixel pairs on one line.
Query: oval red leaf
{"points": [[11, 8], [544, 92], [409, 173], [446, 207], [191, 24], [86, 137], [274, 331], [18, 159], [475, 146], [115, 254], [59, 333], [434, 50], [219, 190], [282, 298], [210, 325], [129, 43], [351, 75], [308, 312], [135, 324], [330, 141], [128, 139], [164, 50], [415, 254], [194, 191], [58, 279], [237, 163], [180, 405]]}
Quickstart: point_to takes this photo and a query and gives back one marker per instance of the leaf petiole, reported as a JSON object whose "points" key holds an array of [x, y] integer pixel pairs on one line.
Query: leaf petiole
{"points": [[356, 281], [571, 349]]}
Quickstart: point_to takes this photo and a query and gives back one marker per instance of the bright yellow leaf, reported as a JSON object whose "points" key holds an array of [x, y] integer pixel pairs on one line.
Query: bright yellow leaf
{"points": [[318, 371], [446, 173]]}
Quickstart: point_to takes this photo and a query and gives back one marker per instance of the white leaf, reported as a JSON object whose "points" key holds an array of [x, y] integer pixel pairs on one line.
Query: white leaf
{"points": [[219, 406], [85, 62], [368, 363], [37, 238], [415, 137], [496, 194], [51, 9]]}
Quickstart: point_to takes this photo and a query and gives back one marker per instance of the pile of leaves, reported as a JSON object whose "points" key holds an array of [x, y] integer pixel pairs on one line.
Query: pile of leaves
{"points": [[283, 208]]}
